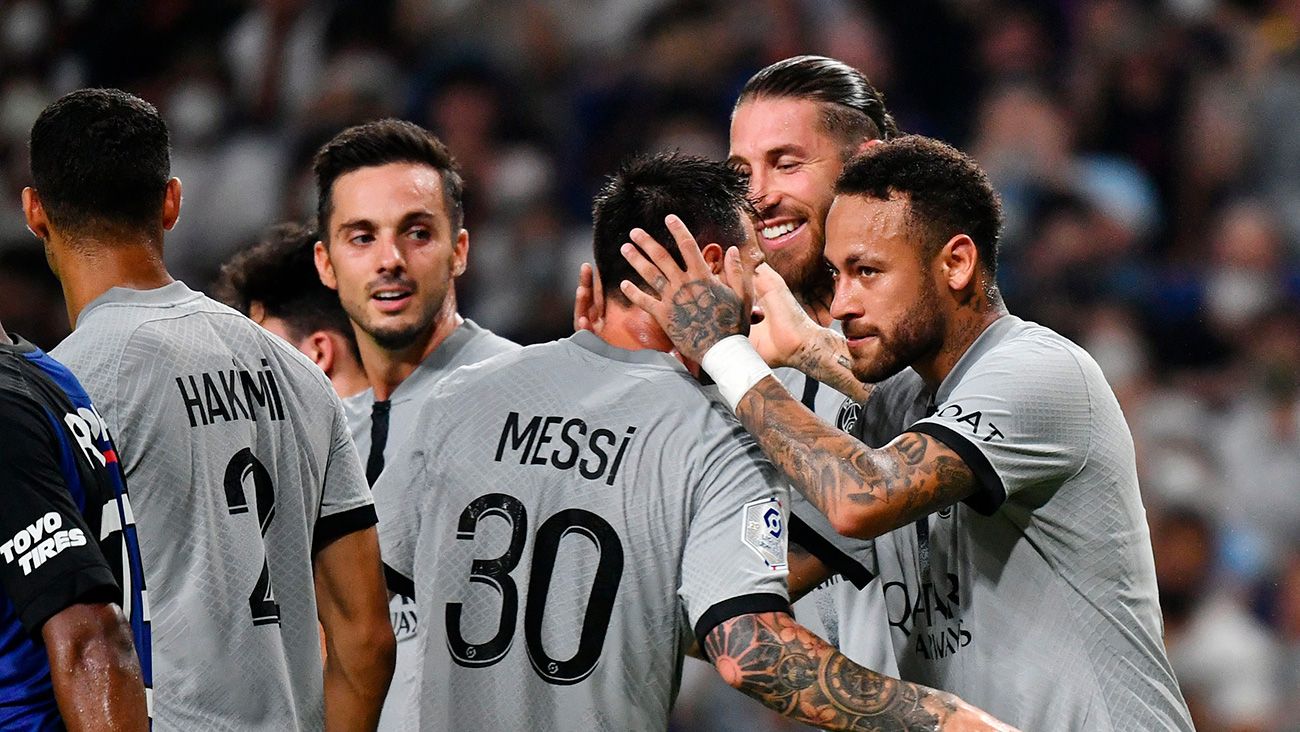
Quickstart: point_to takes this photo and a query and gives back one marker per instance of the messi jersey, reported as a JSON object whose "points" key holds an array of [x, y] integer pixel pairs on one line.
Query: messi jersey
{"points": [[67, 534]]}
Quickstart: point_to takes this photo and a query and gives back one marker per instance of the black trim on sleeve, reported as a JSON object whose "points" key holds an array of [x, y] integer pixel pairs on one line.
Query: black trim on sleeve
{"points": [[85, 584], [991, 493], [398, 583], [829, 554], [758, 602], [338, 525]]}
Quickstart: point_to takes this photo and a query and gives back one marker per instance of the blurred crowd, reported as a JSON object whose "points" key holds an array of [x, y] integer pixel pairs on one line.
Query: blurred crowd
{"points": [[1147, 152]]}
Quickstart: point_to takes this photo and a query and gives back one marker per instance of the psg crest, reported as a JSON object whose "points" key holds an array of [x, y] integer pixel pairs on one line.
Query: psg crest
{"points": [[848, 416]]}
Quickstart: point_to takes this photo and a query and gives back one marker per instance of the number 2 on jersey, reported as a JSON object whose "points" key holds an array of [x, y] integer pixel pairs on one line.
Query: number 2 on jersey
{"points": [[261, 602], [496, 574]]}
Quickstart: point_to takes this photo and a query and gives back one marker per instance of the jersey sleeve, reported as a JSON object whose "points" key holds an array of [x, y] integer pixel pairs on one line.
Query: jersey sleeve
{"points": [[852, 558], [49, 558], [734, 559], [1020, 419], [346, 503]]}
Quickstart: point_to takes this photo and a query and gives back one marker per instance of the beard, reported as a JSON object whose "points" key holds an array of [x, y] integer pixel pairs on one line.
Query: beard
{"points": [[917, 335]]}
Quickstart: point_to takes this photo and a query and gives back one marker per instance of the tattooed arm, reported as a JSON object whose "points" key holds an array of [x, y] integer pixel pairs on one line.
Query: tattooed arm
{"points": [[780, 663], [864, 492], [825, 357]]}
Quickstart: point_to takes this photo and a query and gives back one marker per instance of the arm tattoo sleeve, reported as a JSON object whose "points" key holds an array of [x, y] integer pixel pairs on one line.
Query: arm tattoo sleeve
{"points": [[826, 358], [773, 659], [863, 491]]}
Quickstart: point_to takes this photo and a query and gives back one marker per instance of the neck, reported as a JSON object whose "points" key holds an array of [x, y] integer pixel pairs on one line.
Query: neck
{"points": [[387, 368], [633, 329], [4, 337], [349, 382], [969, 322], [89, 267], [815, 297]]}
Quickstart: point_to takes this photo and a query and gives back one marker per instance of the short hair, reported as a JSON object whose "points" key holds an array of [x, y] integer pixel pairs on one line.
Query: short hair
{"points": [[101, 157], [383, 142], [947, 192], [279, 272], [707, 195], [854, 110]]}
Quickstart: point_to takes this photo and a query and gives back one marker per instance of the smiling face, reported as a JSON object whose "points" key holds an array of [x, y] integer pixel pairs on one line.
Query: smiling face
{"points": [[391, 252], [792, 163], [886, 289]]}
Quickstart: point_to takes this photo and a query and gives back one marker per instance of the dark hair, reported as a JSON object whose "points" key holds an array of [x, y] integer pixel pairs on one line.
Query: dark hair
{"points": [[708, 196], [947, 193], [853, 109], [380, 143], [279, 272], [100, 157]]}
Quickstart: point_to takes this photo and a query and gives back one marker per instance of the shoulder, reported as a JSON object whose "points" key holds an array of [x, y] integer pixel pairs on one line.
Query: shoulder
{"points": [[1038, 360], [485, 343]]}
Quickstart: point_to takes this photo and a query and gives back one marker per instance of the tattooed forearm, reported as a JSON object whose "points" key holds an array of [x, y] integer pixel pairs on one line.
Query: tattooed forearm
{"points": [[825, 357], [703, 312], [863, 491], [780, 663]]}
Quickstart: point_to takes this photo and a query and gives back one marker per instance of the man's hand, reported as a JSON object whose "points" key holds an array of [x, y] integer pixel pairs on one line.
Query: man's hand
{"points": [[786, 327], [695, 307], [588, 304]]}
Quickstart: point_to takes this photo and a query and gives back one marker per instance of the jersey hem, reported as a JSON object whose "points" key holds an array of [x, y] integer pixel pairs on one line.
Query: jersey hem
{"points": [[758, 602], [990, 493], [91, 582]]}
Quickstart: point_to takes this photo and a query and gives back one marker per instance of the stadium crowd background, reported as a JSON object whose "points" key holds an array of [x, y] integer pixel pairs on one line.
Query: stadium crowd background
{"points": [[1148, 155]]}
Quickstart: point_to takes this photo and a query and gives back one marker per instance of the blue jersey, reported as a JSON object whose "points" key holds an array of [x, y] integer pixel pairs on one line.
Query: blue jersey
{"points": [[67, 534]]}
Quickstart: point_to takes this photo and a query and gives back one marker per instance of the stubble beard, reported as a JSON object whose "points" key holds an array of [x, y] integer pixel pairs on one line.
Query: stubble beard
{"points": [[917, 335]]}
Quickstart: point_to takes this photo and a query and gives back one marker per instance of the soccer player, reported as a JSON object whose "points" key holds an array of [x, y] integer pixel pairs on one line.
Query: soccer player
{"points": [[274, 282], [1024, 580], [392, 244], [573, 515], [254, 516], [71, 585]]}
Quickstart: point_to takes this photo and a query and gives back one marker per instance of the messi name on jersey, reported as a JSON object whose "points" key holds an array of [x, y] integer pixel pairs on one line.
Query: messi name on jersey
{"points": [[564, 444], [230, 395]]}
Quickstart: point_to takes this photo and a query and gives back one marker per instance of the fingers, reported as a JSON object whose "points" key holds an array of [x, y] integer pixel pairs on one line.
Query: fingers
{"points": [[767, 281], [583, 298], [686, 244], [649, 271], [655, 255], [638, 298]]}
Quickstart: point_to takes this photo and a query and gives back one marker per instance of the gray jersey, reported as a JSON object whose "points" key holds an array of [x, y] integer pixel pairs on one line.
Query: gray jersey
{"points": [[465, 345], [238, 457], [848, 610], [574, 515], [1035, 599]]}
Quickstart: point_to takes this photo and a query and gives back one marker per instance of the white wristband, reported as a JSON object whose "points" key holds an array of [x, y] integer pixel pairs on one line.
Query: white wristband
{"points": [[735, 367]]}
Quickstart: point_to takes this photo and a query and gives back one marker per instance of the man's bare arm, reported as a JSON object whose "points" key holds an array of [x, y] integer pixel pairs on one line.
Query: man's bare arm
{"points": [[94, 669], [864, 492], [806, 572], [778, 662], [360, 649]]}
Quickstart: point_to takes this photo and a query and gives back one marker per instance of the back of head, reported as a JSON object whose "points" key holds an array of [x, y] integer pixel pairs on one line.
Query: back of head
{"points": [[379, 143], [854, 109], [946, 191], [100, 158], [278, 275], [708, 196]]}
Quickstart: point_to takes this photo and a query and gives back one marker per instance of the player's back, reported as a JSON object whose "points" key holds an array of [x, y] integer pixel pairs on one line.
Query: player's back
{"points": [[573, 514], [228, 434]]}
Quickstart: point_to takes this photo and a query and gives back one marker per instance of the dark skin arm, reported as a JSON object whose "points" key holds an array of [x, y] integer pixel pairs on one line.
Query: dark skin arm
{"points": [[865, 492], [360, 649], [806, 572], [94, 669], [778, 662]]}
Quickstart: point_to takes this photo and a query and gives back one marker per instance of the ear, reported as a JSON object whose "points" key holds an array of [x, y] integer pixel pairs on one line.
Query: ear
{"points": [[38, 222], [958, 262], [713, 256], [460, 254], [324, 267], [866, 145], [320, 348], [171, 204]]}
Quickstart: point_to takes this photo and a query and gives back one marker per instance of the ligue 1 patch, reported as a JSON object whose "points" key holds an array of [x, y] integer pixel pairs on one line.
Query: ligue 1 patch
{"points": [[847, 418], [764, 531]]}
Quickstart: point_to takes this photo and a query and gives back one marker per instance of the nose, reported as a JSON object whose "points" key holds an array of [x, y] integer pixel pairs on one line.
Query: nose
{"points": [[844, 305], [760, 190], [391, 256]]}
